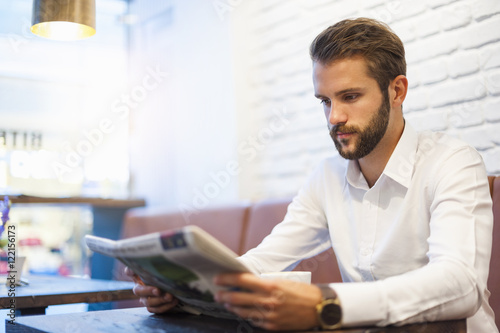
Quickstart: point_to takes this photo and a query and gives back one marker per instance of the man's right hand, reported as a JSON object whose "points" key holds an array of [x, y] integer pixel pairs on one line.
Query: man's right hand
{"points": [[153, 298]]}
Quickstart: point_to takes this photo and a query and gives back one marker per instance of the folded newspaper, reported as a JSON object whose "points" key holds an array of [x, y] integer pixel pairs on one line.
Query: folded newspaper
{"points": [[182, 262]]}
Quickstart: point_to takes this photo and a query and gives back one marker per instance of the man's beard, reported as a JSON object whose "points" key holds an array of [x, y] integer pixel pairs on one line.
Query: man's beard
{"points": [[368, 138]]}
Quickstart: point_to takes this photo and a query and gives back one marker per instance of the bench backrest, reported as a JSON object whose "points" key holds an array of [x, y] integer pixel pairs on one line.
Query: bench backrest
{"points": [[242, 227], [494, 277]]}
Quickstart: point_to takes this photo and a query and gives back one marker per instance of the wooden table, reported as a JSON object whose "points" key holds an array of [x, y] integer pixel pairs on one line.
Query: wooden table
{"points": [[44, 291], [139, 320], [95, 202]]}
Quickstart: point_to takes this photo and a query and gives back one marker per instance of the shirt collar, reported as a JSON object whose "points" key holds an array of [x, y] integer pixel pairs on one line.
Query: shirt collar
{"points": [[402, 161], [400, 165]]}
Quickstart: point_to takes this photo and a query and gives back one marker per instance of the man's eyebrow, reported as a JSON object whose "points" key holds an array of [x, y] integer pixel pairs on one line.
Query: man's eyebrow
{"points": [[356, 89], [341, 92]]}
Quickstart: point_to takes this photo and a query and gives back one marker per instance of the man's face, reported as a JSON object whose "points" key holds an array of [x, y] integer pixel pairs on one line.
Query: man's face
{"points": [[356, 110]]}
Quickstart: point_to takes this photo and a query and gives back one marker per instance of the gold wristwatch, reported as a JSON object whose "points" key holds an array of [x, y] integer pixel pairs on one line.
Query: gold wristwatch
{"points": [[329, 310]]}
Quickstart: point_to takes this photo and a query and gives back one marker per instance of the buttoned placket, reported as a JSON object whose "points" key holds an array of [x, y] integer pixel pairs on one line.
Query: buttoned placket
{"points": [[368, 232]]}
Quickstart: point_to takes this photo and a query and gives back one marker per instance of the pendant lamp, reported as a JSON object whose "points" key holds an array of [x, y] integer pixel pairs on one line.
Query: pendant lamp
{"points": [[63, 19]]}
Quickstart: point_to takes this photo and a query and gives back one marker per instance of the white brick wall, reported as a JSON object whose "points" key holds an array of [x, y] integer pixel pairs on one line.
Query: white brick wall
{"points": [[453, 55]]}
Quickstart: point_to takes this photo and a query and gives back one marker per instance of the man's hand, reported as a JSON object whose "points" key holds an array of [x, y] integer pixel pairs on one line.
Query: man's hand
{"points": [[153, 298], [270, 304]]}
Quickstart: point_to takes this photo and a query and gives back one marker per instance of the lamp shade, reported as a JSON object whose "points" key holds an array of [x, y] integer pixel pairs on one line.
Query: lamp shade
{"points": [[63, 19]]}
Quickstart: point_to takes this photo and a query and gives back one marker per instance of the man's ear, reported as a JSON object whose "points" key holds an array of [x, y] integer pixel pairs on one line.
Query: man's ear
{"points": [[397, 90]]}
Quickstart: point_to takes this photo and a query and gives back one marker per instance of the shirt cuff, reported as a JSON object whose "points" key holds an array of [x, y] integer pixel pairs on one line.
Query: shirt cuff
{"points": [[362, 304]]}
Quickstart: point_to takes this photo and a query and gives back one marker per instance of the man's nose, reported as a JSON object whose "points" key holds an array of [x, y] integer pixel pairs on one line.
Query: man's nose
{"points": [[336, 115]]}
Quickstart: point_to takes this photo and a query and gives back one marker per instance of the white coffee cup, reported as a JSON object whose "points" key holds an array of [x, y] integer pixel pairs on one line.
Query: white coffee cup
{"points": [[299, 276]]}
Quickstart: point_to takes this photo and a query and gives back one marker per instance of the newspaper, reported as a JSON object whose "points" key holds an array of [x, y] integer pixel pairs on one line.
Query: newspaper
{"points": [[182, 262]]}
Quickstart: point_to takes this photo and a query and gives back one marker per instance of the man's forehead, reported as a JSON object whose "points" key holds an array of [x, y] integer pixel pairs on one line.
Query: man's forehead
{"points": [[342, 63], [340, 74]]}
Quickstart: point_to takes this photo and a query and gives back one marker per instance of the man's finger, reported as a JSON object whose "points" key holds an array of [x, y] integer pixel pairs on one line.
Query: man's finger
{"points": [[239, 298], [128, 271], [256, 316], [163, 308], [145, 291], [152, 301], [245, 281]]}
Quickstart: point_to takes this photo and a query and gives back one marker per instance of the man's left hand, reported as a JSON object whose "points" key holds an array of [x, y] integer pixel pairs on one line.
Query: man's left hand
{"points": [[270, 304]]}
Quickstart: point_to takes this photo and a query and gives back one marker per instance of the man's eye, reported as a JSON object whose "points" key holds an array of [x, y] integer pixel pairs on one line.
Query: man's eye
{"points": [[350, 97], [325, 101]]}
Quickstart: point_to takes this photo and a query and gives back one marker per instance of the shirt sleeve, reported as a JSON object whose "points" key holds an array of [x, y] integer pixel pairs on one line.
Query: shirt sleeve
{"points": [[452, 284], [302, 234]]}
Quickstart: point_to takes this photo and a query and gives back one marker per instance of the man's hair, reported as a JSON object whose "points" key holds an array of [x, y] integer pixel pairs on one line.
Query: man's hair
{"points": [[373, 40]]}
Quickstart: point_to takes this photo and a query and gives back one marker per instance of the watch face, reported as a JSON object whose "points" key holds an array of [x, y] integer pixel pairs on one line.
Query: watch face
{"points": [[331, 315]]}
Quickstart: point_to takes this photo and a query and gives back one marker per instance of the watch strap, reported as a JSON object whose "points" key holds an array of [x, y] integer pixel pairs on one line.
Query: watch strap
{"points": [[327, 292], [329, 303]]}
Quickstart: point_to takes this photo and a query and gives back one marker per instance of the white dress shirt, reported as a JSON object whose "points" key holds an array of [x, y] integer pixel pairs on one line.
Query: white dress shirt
{"points": [[419, 240]]}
